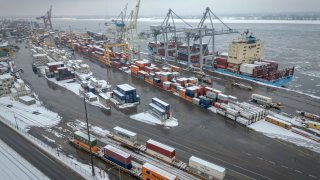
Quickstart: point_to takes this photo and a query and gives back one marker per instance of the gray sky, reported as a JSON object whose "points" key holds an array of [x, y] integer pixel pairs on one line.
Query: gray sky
{"points": [[154, 7]]}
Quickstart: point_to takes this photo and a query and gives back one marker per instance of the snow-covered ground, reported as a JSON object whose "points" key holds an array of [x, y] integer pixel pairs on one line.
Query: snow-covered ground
{"points": [[13, 166], [150, 119], [277, 132], [80, 125], [82, 169], [74, 87], [24, 116]]}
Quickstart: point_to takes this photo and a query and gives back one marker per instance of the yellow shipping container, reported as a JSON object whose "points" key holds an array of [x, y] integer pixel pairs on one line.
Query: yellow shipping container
{"points": [[151, 172], [278, 122], [313, 125]]}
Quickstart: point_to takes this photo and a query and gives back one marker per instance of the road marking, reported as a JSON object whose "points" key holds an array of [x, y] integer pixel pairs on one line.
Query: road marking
{"points": [[312, 176], [271, 162], [260, 158], [298, 171], [284, 166]]}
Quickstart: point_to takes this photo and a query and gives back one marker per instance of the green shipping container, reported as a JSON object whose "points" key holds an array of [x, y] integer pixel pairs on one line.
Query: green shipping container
{"points": [[83, 137]]}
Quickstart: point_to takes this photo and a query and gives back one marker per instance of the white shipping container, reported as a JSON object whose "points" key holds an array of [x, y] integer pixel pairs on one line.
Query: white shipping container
{"points": [[243, 121], [221, 112], [196, 101], [224, 106], [212, 170], [223, 97], [232, 98], [246, 115], [232, 112], [231, 117], [261, 98], [247, 68]]}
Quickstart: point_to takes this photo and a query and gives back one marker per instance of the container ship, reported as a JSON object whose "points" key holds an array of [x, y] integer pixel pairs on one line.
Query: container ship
{"points": [[243, 60]]}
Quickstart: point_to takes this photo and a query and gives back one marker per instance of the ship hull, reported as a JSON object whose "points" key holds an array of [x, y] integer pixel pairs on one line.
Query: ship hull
{"points": [[278, 82]]}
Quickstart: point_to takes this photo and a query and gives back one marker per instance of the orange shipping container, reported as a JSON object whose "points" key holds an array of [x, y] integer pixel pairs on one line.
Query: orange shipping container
{"points": [[151, 172], [94, 149]]}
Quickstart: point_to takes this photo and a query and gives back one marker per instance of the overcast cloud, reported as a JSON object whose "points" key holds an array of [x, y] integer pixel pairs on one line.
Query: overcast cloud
{"points": [[154, 7]]}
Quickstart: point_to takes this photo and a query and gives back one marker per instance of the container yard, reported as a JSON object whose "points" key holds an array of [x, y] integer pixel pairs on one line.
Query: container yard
{"points": [[139, 166], [165, 103]]}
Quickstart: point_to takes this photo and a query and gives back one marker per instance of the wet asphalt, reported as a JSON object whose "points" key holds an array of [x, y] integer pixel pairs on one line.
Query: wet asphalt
{"points": [[245, 153]]}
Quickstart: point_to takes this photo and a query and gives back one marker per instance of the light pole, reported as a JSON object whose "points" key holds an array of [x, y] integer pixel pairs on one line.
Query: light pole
{"points": [[15, 119], [91, 155]]}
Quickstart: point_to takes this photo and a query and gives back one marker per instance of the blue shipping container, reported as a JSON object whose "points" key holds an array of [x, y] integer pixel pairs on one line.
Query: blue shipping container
{"points": [[161, 104], [127, 166]]}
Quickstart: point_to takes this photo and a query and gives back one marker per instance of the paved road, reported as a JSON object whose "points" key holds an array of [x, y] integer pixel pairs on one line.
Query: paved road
{"points": [[245, 153], [39, 159]]}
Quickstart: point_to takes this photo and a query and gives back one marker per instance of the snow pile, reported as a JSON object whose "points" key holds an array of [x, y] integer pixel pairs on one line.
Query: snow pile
{"points": [[100, 173], [13, 166], [80, 125], [150, 119], [26, 116], [48, 139], [82, 169], [277, 132], [71, 85]]}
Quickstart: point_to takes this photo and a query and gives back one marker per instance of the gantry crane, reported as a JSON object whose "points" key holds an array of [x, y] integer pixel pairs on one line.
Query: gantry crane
{"points": [[126, 27], [47, 19], [173, 36], [108, 51]]}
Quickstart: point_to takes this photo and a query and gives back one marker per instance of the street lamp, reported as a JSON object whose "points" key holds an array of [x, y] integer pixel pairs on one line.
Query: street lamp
{"points": [[91, 155]]}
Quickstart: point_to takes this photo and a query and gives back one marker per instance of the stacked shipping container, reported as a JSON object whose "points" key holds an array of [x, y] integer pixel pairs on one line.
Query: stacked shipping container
{"points": [[161, 151]]}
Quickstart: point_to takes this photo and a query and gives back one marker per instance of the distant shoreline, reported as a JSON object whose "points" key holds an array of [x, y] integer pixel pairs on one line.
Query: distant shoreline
{"points": [[226, 20]]}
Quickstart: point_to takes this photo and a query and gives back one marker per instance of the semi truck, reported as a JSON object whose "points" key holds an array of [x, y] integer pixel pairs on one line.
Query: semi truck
{"points": [[265, 101]]}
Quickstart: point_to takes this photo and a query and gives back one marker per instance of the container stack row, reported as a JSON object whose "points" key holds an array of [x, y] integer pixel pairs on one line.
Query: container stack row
{"points": [[160, 109], [125, 93]]}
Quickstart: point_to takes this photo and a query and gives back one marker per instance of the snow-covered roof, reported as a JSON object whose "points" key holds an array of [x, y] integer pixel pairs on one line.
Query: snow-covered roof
{"points": [[26, 98], [207, 164], [104, 96], [126, 87], [163, 146], [130, 133], [90, 95], [160, 101], [85, 136], [279, 120], [159, 171], [6, 76], [54, 63]]}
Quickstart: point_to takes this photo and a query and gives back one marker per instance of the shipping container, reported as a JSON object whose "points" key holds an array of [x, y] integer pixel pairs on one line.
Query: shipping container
{"points": [[260, 98], [125, 136], [161, 151], [117, 156], [163, 105], [81, 139], [221, 112], [279, 122], [151, 172], [206, 169]]}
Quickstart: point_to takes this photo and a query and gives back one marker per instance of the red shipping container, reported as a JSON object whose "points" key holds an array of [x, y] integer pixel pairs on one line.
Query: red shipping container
{"points": [[161, 148], [117, 154]]}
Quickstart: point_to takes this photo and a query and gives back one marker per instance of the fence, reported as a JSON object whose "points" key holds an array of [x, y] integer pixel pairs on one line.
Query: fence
{"points": [[52, 151]]}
